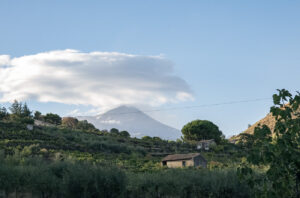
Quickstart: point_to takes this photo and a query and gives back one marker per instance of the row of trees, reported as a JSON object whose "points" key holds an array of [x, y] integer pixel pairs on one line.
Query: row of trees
{"points": [[59, 179], [19, 112], [115, 132], [49, 118]]}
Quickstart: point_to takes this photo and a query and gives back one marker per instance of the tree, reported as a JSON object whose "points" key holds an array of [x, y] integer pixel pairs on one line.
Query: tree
{"points": [[37, 115], [85, 125], [201, 130], [147, 138], [124, 134], [114, 131], [278, 150], [26, 111], [16, 108], [158, 139], [20, 113], [3, 113], [53, 118]]}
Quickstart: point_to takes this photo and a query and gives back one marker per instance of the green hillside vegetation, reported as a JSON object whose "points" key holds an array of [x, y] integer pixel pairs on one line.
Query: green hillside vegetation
{"points": [[97, 146], [46, 160], [80, 140], [65, 157]]}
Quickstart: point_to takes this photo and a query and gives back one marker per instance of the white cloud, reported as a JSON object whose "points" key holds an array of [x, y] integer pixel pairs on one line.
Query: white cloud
{"points": [[101, 79], [75, 112], [4, 60]]}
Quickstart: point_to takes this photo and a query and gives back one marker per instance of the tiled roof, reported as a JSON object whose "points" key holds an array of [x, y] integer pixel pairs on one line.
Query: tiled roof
{"points": [[211, 140], [180, 156]]}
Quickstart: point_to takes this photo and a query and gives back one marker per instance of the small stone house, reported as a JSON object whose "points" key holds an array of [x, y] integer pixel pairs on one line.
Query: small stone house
{"points": [[184, 160], [233, 141], [29, 127], [205, 144], [42, 123]]}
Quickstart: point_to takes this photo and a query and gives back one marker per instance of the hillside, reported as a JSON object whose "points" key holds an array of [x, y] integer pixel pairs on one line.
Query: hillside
{"points": [[101, 147], [47, 159], [269, 120], [131, 119], [50, 135]]}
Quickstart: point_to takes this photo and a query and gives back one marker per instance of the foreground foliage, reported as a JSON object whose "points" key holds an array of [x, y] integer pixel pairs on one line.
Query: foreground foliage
{"points": [[277, 151]]}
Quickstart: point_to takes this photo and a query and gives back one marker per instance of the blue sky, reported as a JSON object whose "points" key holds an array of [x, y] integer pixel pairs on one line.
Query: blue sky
{"points": [[223, 50]]}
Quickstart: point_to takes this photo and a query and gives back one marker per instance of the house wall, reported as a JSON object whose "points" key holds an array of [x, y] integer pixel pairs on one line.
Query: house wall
{"points": [[199, 161], [205, 145], [41, 123], [18, 195], [178, 164]]}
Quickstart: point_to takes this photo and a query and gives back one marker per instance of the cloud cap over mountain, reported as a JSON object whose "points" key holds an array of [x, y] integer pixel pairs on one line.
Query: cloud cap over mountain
{"points": [[101, 79]]}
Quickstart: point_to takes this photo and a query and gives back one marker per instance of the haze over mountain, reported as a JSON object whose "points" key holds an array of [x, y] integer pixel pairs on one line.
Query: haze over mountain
{"points": [[136, 122]]}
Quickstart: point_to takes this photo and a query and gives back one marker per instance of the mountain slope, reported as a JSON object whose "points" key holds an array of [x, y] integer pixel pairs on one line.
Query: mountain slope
{"points": [[269, 120], [137, 123]]}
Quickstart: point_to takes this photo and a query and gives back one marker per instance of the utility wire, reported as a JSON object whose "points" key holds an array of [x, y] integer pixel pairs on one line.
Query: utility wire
{"points": [[194, 106]]}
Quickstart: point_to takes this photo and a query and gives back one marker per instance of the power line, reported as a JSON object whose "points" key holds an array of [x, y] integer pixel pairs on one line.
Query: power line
{"points": [[195, 106]]}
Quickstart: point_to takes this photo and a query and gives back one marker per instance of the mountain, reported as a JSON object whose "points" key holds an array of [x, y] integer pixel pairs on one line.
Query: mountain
{"points": [[131, 119]]}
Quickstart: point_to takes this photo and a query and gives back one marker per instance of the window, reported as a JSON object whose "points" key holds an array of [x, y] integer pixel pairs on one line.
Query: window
{"points": [[183, 163], [206, 146], [164, 163]]}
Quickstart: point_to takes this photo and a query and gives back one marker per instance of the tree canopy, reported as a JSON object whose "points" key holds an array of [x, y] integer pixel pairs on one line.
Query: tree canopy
{"points": [[124, 134], [20, 112], [114, 131], [37, 115], [53, 118], [3, 113], [201, 130]]}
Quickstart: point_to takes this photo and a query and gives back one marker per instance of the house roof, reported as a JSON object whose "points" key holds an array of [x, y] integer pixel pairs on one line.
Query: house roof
{"points": [[181, 156], [211, 140]]}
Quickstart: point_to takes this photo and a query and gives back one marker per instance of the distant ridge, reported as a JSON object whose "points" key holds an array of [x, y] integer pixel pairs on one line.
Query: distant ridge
{"points": [[133, 120]]}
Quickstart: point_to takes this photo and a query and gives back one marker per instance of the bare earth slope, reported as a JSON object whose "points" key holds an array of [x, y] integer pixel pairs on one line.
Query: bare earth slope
{"points": [[269, 120]]}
